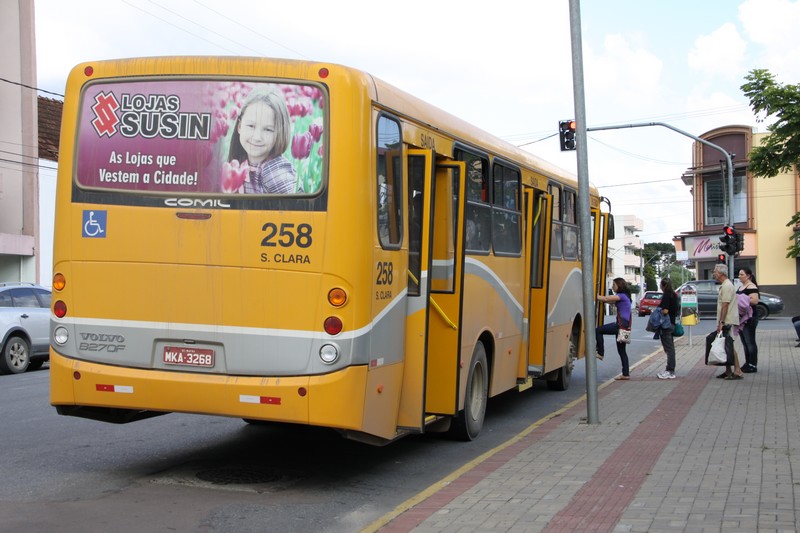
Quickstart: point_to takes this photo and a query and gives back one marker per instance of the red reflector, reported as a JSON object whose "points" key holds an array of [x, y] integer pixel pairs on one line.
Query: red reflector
{"points": [[323, 72], [302, 391], [104, 388], [88, 71], [333, 325], [193, 216], [59, 309]]}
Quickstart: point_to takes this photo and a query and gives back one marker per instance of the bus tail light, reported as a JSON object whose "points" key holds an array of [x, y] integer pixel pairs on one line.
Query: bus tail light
{"points": [[329, 353], [60, 335], [337, 297], [59, 281], [60, 309], [333, 325]]}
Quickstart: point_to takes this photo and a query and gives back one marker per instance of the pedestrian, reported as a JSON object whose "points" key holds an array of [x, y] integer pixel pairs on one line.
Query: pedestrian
{"points": [[727, 317], [622, 301], [748, 329], [796, 324], [670, 305]]}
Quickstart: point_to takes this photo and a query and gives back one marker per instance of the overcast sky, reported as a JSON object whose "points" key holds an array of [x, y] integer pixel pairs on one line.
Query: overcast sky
{"points": [[503, 65]]}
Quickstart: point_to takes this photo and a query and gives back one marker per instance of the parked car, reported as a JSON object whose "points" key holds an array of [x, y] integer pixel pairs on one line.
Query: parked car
{"points": [[649, 301], [24, 327], [708, 290]]}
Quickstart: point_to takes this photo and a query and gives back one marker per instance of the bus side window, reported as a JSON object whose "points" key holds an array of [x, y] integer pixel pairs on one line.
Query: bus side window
{"points": [[569, 228], [555, 241], [478, 212], [390, 183], [506, 227], [416, 192]]}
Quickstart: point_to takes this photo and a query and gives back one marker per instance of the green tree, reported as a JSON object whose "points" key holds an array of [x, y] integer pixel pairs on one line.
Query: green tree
{"points": [[780, 150]]}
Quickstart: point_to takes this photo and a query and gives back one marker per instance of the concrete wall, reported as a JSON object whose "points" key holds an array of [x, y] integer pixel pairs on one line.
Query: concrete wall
{"points": [[19, 185]]}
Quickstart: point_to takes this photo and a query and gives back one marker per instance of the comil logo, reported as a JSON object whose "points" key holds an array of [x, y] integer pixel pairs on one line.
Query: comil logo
{"points": [[106, 120]]}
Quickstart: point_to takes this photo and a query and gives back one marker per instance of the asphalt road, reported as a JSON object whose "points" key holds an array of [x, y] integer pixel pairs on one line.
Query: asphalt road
{"points": [[198, 473]]}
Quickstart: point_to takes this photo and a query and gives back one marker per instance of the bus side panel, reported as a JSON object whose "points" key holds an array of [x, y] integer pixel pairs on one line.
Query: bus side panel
{"points": [[496, 308], [565, 304], [382, 399], [412, 398]]}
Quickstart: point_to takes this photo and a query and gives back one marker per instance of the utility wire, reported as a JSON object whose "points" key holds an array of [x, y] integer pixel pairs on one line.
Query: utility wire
{"points": [[29, 87], [223, 15]]}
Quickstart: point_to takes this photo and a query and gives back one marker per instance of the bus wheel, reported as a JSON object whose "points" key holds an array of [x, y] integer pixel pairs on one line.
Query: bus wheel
{"points": [[16, 356], [468, 423], [564, 374]]}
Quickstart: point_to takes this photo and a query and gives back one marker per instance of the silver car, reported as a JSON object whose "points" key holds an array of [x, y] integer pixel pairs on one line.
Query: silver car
{"points": [[24, 326], [707, 291]]}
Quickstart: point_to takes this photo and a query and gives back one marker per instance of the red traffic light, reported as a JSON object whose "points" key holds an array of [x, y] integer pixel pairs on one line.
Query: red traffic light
{"points": [[722, 258], [729, 230], [566, 133]]}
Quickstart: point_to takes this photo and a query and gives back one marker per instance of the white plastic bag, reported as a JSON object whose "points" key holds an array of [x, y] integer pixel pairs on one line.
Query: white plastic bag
{"points": [[717, 355]]}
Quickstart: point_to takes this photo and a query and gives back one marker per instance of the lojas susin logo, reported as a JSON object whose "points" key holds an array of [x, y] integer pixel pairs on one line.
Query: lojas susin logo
{"points": [[147, 116]]}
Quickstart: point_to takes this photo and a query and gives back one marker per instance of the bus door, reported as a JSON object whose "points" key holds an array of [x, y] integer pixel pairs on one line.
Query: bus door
{"points": [[599, 258], [435, 270], [538, 211], [444, 230]]}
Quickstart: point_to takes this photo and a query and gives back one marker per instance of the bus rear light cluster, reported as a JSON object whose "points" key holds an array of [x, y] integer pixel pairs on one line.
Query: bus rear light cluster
{"points": [[60, 334], [59, 307]]}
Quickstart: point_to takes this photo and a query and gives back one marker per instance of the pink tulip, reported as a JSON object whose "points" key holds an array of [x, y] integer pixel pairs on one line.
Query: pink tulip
{"points": [[301, 145], [233, 175], [315, 129]]}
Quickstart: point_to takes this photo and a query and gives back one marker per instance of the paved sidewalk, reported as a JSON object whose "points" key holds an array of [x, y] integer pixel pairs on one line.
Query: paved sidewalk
{"points": [[690, 454]]}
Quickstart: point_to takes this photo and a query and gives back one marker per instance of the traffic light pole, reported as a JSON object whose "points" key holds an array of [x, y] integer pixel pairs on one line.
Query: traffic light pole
{"points": [[728, 161], [584, 214]]}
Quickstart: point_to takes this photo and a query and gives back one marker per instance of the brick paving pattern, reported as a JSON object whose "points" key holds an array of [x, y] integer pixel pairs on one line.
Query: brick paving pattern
{"points": [[692, 454]]}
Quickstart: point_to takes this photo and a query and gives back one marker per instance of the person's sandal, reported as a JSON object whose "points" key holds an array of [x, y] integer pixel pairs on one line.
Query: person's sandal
{"points": [[724, 375], [621, 378], [600, 357], [734, 376]]}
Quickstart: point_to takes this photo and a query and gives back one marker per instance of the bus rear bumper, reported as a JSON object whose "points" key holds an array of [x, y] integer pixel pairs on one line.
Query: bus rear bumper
{"points": [[120, 395]]}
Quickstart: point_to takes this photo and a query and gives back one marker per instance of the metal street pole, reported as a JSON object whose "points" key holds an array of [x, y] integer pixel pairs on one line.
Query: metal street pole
{"points": [[584, 212]]}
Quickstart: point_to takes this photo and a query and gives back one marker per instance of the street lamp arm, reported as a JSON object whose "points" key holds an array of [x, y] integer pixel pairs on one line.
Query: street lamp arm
{"points": [[728, 160]]}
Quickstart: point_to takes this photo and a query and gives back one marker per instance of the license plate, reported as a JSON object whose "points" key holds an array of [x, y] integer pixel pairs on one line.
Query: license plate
{"points": [[181, 355]]}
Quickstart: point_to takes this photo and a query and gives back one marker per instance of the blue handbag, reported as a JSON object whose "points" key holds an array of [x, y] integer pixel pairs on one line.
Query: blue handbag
{"points": [[677, 331]]}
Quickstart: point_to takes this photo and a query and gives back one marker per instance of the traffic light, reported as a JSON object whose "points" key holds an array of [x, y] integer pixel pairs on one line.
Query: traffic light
{"points": [[728, 241], [739, 242], [722, 259], [566, 133]]}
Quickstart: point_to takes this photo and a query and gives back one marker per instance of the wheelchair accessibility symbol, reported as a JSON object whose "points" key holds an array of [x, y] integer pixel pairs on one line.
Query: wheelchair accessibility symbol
{"points": [[94, 224]]}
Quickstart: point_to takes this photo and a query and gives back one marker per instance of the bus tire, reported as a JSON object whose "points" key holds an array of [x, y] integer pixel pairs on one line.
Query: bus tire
{"points": [[16, 356], [468, 423], [564, 374]]}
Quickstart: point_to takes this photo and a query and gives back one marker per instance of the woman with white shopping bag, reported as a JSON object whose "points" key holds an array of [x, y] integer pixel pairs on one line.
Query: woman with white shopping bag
{"points": [[621, 327], [727, 317]]}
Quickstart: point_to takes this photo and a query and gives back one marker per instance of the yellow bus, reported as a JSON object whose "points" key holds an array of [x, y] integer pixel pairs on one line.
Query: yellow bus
{"points": [[301, 242]]}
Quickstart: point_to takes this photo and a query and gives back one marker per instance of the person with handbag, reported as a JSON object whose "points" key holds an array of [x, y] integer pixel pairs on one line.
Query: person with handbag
{"points": [[727, 318], [748, 330], [670, 305], [621, 327]]}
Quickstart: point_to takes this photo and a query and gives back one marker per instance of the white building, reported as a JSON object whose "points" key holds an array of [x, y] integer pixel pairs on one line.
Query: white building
{"points": [[19, 159], [622, 259]]}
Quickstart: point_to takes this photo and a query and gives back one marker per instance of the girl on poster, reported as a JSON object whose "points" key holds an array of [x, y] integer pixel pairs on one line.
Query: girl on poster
{"points": [[261, 134]]}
